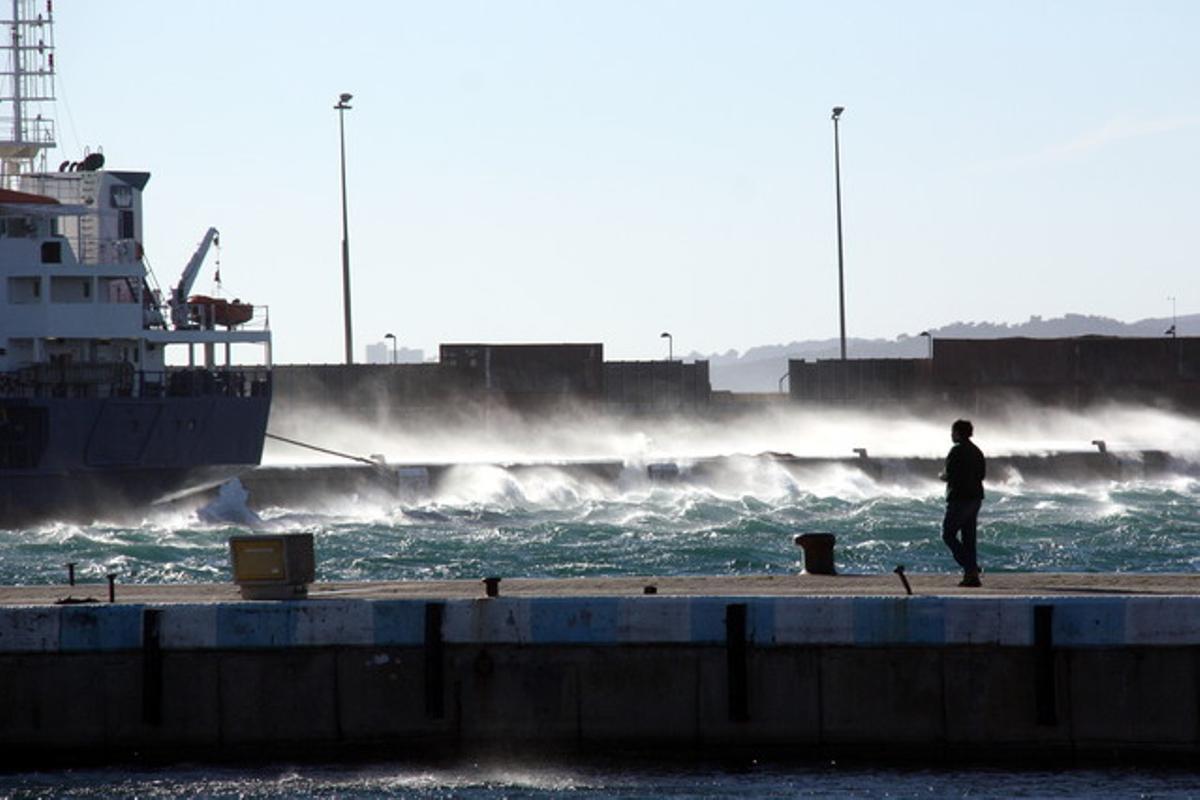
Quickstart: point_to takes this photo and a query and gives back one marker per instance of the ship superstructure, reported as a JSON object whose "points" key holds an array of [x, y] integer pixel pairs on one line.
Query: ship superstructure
{"points": [[93, 416]]}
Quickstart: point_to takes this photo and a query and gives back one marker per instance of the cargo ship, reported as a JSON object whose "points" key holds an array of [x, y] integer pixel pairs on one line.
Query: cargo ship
{"points": [[113, 393]]}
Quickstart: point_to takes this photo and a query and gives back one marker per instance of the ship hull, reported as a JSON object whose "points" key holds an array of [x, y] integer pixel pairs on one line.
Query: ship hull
{"points": [[83, 459]]}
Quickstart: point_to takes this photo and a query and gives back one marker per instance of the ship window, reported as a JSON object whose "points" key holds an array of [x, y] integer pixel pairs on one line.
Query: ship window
{"points": [[121, 197], [51, 252], [126, 224], [70, 290], [116, 290], [18, 228], [24, 290]]}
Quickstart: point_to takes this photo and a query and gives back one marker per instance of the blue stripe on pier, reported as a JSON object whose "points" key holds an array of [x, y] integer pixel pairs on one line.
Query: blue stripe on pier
{"points": [[770, 621]]}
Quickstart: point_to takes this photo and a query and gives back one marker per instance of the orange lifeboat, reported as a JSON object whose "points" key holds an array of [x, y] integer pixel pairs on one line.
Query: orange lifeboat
{"points": [[218, 311]]}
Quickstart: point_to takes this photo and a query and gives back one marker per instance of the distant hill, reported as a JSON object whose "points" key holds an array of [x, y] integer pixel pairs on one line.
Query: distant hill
{"points": [[761, 369]]}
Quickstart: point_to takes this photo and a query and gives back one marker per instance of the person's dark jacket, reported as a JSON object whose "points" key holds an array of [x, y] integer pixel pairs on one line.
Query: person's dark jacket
{"points": [[965, 471]]}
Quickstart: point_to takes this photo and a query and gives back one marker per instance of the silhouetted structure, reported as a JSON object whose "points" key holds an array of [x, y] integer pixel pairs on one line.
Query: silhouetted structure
{"points": [[641, 387], [470, 380], [860, 381], [977, 373], [528, 375]]}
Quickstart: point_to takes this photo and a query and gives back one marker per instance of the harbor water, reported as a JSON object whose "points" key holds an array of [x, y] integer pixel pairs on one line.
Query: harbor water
{"points": [[551, 522], [596, 781], [548, 523]]}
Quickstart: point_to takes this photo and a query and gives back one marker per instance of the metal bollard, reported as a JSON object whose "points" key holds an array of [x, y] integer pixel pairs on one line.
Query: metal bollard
{"points": [[112, 587], [491, 586], [818, 553]]}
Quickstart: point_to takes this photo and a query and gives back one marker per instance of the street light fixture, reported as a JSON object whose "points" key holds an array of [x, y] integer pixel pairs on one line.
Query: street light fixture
{"points": [[392, 336], [670, 345], [837, 175], [928, 336], [342, 107]]}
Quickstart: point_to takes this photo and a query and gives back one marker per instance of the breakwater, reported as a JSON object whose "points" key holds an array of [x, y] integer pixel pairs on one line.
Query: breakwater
{"points": [[291, 486], [1046, 666]]}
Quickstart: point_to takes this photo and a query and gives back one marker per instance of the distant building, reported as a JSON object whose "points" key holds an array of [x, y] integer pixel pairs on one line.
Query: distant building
{"points": [[381, 353]]}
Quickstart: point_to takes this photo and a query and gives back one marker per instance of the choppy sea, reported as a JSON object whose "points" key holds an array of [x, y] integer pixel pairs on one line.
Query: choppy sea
{"points": [[546, 523], [599, 781], [549, 522]]}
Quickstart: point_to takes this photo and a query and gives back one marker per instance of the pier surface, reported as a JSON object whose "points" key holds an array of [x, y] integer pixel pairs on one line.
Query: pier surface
{"points": [[1033, 665], [1016, 584]]}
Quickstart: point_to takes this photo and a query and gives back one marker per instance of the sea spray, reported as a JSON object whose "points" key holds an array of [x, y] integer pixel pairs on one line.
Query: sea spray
{"points": [[549, 523]]}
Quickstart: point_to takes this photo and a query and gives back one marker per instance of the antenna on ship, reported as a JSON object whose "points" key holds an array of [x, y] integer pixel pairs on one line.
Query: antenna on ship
{"points": [[26, 89]]}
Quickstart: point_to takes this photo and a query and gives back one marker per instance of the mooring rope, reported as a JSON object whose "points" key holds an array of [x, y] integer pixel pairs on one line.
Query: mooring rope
{"points": [[323, 449]]}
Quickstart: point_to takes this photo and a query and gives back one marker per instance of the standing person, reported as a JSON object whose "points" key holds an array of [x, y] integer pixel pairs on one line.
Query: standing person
{"points": [[965, 471]]}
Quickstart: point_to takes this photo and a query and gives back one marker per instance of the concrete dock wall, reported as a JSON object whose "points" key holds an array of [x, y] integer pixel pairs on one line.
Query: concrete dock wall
{"points": [[801, 675]]}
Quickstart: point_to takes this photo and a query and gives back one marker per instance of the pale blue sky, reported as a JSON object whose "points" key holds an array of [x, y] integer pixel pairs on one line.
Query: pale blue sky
{"points": [[604, 171]]}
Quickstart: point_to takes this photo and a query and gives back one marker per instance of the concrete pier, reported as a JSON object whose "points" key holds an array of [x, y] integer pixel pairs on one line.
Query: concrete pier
{"points": [[1033, 665]]}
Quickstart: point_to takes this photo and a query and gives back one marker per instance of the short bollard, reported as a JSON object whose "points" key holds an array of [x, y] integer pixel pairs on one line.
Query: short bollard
{"points": [[818, 553], [650, 589], [112, 587], [491, 586]]}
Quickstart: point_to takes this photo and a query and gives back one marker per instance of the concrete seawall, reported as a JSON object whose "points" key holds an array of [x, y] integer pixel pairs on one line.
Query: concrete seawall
{"points": [[804, 675]]}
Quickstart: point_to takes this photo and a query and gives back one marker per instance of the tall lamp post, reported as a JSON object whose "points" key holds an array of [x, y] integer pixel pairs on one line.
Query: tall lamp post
{"points": [[928, 336], [342, 107], [392, 336], [837, 176], [670, 345], [1173, 332]]}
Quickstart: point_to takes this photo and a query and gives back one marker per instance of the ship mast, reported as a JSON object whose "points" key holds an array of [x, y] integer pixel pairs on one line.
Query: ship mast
{"points": [[26, 87]]}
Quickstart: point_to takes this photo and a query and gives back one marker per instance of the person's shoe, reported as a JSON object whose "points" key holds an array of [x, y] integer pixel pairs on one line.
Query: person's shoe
{"points": [[971, 580]]}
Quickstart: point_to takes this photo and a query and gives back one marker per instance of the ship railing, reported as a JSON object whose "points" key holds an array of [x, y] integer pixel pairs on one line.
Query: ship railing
{"points": [[204, 382], [64, 379], [119, 379], [35, 131], [65, 187]]}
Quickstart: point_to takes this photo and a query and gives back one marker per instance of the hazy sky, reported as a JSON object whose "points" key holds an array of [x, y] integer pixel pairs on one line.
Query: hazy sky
{"points": [[605, 171]]}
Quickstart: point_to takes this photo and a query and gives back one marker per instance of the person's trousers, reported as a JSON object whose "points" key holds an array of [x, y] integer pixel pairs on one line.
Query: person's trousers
{"points": [[961, 516]]}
